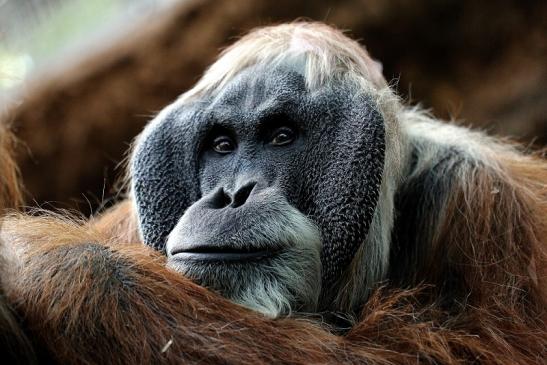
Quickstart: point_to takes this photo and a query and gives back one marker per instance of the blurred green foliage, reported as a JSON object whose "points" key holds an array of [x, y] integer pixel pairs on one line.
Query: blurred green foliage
{"points": [[36, 33]]}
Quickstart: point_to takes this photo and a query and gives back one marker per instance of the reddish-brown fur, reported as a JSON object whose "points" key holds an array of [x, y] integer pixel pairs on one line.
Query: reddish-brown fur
{"points": [[86, 297], [14, 344]]}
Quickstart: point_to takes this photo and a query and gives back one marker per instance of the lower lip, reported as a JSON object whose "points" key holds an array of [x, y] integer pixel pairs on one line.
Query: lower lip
{"points": [[223, 256]]}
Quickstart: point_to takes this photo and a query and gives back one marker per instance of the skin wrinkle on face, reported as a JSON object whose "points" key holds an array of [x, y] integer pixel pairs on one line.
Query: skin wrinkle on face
{"points": [[331, 174]]}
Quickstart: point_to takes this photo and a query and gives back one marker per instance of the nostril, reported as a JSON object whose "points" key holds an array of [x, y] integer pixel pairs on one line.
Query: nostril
{"points": [[220, 199], [240, 197]]}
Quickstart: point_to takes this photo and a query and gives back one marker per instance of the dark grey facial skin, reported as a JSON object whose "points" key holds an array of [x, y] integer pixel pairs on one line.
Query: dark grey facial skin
{"points": [[330, 171]]}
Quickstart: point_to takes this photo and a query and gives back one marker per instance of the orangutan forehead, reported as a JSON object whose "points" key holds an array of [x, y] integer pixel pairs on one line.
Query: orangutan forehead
{"points": [[320, 52]]}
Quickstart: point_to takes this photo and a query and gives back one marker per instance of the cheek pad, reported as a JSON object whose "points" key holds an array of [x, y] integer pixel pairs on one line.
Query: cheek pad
{"points": [[344, 175], [163, 178]]}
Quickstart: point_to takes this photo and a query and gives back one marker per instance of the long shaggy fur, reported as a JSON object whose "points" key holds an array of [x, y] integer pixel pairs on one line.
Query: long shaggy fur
{"points": [[88, 300], [465, 275], [14, 344]]}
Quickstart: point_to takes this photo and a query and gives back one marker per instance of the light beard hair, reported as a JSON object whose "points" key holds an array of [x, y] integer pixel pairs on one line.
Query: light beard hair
{"points": [[288, 281]]}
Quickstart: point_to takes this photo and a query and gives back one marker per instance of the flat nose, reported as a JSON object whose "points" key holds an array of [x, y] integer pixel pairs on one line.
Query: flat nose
{"points": [[222, 198]]}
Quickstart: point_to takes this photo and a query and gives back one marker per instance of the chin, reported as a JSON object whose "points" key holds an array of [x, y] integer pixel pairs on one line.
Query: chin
{"points": [[274, 282]]}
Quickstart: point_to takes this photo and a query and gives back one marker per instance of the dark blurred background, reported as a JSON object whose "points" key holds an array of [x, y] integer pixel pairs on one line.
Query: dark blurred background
{"points": [[83, 77]]}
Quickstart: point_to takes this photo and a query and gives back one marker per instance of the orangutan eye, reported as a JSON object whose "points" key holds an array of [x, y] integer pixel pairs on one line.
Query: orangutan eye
{"points": [[223, 145], [282, 136]]}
